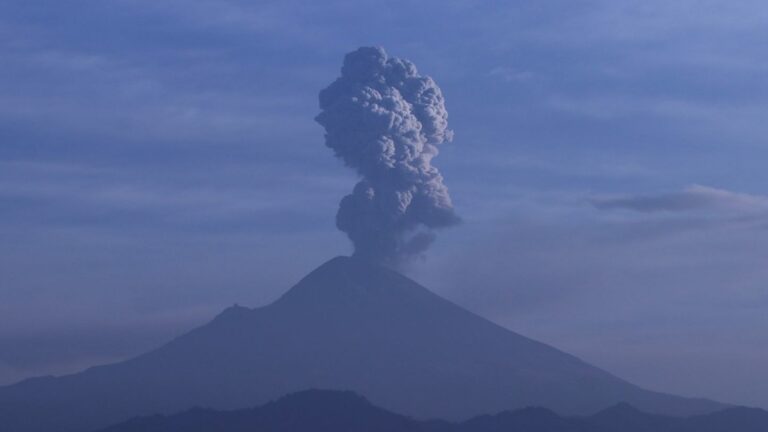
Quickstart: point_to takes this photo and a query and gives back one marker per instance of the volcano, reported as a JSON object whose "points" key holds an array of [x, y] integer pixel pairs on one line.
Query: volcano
{"points": [[348, 325]]}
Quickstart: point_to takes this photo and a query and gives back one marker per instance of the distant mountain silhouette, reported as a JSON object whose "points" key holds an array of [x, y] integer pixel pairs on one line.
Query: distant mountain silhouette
{"points": [[626, 418], [737, 419], [348, 325], [337, 411], [311, 410], [525, 420]]}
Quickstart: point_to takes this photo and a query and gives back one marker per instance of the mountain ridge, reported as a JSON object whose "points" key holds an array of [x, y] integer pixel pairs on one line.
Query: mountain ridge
{"points": [[344, 411], [347, 325]]}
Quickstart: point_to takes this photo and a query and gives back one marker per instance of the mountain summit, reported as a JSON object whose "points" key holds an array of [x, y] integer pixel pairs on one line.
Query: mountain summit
{"points": [[348, 325]]}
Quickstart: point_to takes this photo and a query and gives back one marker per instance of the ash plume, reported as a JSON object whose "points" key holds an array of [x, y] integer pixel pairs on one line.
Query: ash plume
{"points": [[386, 121]]}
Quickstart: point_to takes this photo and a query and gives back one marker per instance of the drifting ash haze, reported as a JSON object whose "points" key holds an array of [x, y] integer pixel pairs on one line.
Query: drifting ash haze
{"points": [[386, 121]]}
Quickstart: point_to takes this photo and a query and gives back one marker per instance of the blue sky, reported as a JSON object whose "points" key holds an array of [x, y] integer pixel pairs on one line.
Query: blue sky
{"points": [[159, 161]]}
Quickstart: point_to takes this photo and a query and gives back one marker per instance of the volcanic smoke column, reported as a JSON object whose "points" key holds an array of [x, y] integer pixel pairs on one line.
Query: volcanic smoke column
{"points": [[385, 120]]}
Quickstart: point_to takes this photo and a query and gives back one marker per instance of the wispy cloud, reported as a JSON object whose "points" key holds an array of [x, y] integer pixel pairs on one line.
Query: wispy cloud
{"points": [[691, 199], [56, 193], [510, 74]]}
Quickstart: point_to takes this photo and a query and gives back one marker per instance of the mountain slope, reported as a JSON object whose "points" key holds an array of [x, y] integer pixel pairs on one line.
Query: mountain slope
{"points": [[324, 410], [348, 325]]}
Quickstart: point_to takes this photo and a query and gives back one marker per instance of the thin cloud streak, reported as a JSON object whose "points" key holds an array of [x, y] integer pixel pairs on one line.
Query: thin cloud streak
{"points": [[691, 199]]}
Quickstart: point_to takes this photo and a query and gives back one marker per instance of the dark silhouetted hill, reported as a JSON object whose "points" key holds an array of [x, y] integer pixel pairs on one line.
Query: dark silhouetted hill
{"points": [[311, 410], [348, 325], [626, 418], [738, 419], [337, 411]]}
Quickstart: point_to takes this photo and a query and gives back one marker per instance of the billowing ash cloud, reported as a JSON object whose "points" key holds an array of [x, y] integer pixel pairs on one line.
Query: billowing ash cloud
{"points": [[386, 121]]}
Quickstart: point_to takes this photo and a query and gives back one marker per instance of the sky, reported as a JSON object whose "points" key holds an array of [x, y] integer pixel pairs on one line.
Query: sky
{"points": [[159, 162]]}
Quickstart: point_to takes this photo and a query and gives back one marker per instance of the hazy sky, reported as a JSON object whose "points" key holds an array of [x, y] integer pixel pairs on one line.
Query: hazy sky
{"points": [[159, 161]]}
